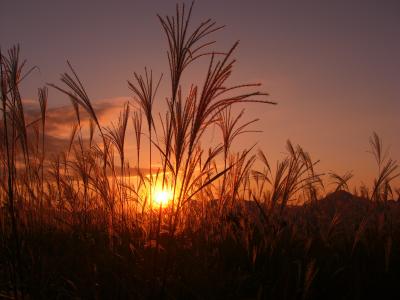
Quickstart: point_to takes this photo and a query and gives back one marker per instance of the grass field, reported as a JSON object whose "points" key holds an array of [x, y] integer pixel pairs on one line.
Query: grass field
{"points": [[95, 222]]}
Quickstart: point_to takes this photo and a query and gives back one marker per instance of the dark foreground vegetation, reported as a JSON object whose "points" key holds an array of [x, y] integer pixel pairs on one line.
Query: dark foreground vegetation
{"points": [[342, 247], [83, 223]]}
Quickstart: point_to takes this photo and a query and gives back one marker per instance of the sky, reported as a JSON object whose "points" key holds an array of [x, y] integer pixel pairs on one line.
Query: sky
{"points": [[333, 67]]}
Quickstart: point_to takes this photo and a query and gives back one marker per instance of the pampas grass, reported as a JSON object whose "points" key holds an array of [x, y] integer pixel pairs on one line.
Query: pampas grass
{"points": [[84, 224]]}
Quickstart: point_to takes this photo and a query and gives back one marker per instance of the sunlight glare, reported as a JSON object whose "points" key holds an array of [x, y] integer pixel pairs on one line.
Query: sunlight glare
{"points": [[162, 197]]}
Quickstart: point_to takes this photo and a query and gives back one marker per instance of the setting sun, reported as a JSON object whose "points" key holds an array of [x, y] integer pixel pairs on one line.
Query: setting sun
{"points": [[162, 197], [166, 159]]}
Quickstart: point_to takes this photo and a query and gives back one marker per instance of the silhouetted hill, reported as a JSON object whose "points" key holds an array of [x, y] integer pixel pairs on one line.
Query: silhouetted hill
{"points": [[343, 201]]}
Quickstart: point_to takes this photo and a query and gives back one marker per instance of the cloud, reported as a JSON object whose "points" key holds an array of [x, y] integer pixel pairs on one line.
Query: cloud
{"points": [[60, 120]]}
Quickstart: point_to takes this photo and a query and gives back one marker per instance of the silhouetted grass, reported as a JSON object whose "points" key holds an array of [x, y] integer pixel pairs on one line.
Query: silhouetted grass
{"points": [[78, 226]]}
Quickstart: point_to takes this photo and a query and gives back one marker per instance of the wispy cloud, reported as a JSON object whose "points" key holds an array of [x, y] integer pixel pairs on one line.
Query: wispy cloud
{"points": [[60, 120]]}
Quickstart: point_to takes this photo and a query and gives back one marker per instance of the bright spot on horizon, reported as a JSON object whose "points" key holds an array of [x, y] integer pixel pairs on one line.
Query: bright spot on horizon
{"points": [[162, 197]]}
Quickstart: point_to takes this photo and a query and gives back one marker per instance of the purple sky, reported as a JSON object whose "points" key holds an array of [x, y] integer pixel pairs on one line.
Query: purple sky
{"points": [[333, 66]]}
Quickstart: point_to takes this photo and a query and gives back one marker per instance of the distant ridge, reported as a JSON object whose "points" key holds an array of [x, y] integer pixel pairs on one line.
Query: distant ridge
{"points": [[346, 200], [343, 200]]}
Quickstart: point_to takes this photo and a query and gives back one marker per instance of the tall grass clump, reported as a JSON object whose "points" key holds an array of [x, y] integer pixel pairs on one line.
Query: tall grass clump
{"points": [[85, 221]]}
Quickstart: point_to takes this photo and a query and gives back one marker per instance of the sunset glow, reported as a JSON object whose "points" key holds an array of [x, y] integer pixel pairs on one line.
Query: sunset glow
{"points": [[146, 153], [162, 197]]}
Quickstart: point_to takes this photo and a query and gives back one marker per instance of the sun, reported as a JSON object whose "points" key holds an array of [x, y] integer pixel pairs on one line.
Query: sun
{"points": [[162, 196]]}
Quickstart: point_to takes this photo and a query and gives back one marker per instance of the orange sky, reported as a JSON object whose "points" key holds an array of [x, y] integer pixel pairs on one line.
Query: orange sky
{"points": [[333, 67]]}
